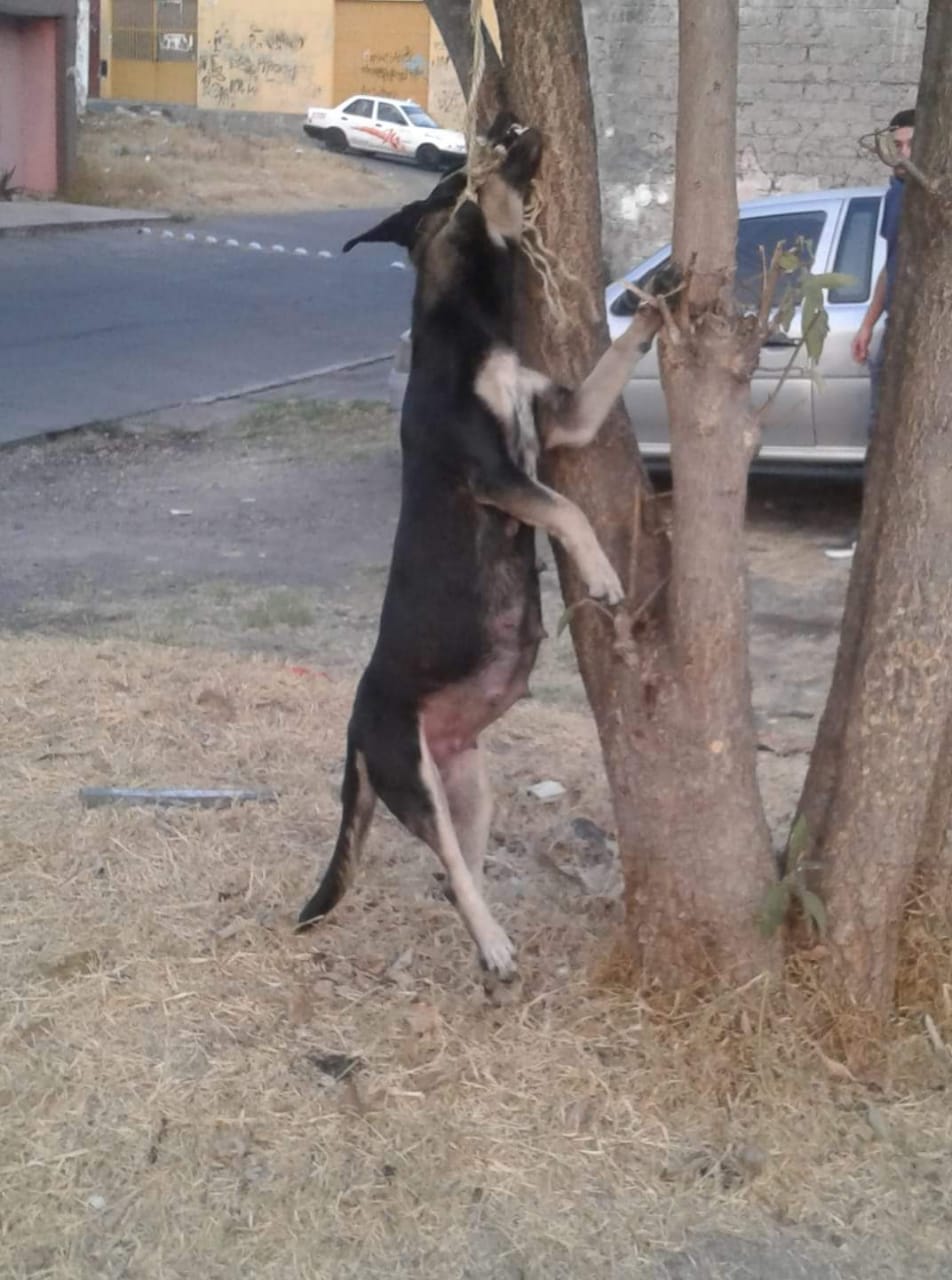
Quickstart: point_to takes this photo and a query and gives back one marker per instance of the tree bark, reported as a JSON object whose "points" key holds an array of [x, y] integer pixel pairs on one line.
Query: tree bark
{"points": [[823, 773], [879, 788], [668, 677], [934, 855], [453, 18]]}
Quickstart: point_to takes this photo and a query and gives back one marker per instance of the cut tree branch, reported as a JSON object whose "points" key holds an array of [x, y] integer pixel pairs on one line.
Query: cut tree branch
{"points": [[880, 144], [771, 278]]}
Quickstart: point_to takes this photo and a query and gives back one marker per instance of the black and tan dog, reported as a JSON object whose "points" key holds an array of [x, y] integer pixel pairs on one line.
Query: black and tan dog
{"points": [[461, 622]]}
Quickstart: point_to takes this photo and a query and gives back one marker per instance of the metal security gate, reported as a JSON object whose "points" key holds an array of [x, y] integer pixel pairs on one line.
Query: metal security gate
{"points": [[382, 47], [154, 50]]}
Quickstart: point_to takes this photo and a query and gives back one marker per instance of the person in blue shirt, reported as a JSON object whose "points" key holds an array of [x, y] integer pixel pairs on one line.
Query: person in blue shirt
{"points": [[901, 127]]}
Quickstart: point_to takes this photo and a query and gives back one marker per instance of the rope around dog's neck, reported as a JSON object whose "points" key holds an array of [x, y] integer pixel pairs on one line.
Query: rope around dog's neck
{"points": [[484, 160]]}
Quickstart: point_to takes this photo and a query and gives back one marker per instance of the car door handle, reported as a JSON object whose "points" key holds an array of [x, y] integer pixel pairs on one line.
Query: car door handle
{"points": [[781, 340]]}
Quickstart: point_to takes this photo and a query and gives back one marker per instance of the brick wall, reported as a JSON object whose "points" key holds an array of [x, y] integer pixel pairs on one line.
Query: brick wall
{"points": [[813, 78]]}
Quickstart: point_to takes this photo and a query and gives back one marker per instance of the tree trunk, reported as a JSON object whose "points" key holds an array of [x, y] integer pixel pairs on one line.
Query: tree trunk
{"points": [[668, 678], [822, 777], [454, 20], [887, 777], [934, 855]]}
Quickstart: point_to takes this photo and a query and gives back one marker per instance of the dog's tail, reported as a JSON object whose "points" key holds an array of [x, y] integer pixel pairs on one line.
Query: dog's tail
{"points": [[357, 802]]}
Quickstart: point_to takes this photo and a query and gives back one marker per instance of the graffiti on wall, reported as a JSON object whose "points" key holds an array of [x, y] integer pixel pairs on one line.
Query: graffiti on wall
{"points": [[276, 41], [395, 66], [233, 72], [446, 106]]}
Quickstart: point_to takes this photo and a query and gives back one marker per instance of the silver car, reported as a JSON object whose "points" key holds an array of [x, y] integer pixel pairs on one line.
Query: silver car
{"points": [[821, 423]]}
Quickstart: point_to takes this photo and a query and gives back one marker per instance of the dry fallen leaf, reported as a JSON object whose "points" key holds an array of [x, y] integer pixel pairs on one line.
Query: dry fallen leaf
{"points": [[217, 704], [838, 1070], [339, 1066], [300, 1006], [423, 1019]]}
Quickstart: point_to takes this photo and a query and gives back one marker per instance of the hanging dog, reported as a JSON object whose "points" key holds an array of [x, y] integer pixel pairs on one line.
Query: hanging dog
{"points": [[461, 621]]}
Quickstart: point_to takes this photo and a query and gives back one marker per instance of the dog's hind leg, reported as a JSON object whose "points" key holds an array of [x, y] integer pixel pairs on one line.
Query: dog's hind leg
{"points": [[357, 808], [495, 950], [412, 789], [469, 796]]}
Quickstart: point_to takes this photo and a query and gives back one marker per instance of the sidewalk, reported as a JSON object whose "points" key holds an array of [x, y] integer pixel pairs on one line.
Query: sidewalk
{"points": [[32, 217]]}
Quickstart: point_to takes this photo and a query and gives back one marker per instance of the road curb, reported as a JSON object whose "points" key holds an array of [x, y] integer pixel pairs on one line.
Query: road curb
{"points": [[252, 388], [221, 397], [91, 224]]}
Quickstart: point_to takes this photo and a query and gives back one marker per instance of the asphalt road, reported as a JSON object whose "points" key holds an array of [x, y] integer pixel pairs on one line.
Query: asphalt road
{"points": [[97, 325]]}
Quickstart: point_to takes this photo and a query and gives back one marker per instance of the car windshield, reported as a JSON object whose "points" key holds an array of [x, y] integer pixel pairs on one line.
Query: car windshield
{"points": [[418, 116]]}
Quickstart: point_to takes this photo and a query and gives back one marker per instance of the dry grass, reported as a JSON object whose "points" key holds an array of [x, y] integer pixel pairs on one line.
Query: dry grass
{"points": [[135, 160], [168, 1091]]}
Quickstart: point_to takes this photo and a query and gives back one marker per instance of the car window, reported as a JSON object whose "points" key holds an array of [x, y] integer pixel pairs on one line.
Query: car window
{"points": [[419, 117], [854, 255], [360, 107], [752, 233], [764, 234], [388, 114], [626, 304]]}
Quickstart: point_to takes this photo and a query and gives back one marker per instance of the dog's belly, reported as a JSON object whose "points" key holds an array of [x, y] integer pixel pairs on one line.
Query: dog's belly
{"points": [[454, 716]]}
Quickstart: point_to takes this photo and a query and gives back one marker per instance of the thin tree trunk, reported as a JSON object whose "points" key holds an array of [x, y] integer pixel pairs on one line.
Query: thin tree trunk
{"points": [[890, 779], [822, 777], [668, 682]]}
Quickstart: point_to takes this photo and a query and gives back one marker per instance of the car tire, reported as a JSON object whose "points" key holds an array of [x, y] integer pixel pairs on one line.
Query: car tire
{"points": [[427, 156], [335, 140]]}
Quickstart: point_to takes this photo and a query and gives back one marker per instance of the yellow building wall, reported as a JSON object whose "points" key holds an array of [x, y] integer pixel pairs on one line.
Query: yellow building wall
{"points": [[447, 105], [105, 47], [382, 47], [284, 60], [278, 57], [149, 50]]}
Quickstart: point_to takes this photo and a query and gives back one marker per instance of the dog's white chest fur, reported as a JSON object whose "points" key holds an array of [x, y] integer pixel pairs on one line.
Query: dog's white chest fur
{"points": [[508, 390]]}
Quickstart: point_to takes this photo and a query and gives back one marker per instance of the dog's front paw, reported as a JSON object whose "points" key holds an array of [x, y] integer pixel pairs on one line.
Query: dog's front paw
{"points": [[605, 585]]}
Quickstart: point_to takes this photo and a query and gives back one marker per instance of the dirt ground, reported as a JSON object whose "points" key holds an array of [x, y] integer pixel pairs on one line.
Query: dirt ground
{"points": [[141, 160], [190, 1088]]}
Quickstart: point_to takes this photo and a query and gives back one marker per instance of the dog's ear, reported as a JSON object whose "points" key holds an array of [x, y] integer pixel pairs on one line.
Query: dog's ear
{"points": [[400, 228], [403, 226]]}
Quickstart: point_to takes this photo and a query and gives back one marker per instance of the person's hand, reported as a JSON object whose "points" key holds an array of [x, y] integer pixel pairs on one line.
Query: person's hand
{"points": [[860, 345]]}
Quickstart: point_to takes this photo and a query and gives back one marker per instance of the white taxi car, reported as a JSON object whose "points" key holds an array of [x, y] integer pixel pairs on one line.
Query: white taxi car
{"points": [[387, 126]]}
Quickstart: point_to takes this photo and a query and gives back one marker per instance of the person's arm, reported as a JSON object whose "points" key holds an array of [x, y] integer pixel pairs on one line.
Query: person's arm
{"points": [[864, 335]]}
